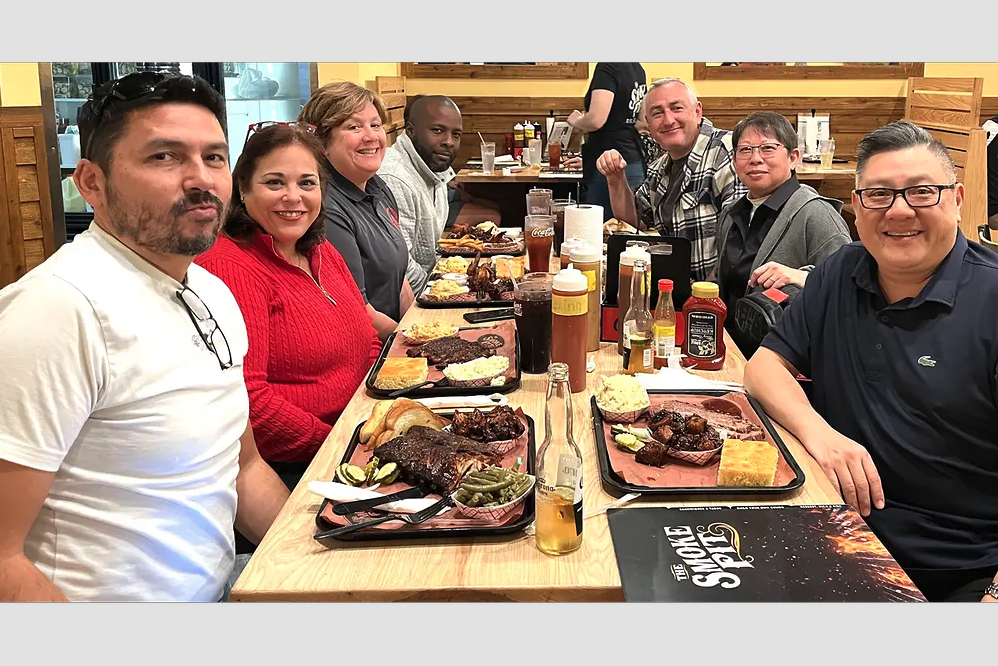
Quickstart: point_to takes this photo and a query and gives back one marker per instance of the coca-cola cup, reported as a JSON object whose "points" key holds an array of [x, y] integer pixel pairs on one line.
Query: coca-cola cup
{"points": [[539, 230]]}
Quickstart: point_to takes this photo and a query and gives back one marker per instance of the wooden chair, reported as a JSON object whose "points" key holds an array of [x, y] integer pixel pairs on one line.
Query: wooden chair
{"points": [[391, 90], [950, 109]]}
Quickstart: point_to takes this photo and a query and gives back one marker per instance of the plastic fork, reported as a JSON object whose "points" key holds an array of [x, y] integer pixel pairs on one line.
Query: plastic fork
{"points": [[411, 518]]}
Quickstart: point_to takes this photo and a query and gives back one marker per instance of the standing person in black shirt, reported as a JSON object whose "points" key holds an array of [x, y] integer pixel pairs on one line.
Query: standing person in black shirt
{"points": [[613, 102]]}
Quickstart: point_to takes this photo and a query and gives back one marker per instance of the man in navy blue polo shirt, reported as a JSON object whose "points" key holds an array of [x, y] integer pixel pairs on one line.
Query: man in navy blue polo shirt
{"points": [[899, 335]]}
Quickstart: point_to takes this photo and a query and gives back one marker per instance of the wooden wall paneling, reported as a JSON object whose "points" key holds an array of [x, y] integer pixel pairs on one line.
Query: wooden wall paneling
{"points": [[557, 70], [391, 90], [975, 180], [26, 231], [13, 257], [495, 116], [44, 203], [852, 118], [902, 70], [389, 84], [9, 266]]}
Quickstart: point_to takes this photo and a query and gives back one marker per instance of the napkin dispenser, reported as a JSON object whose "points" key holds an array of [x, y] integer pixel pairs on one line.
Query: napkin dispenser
{"points": [[670, 260], [813, 129]]}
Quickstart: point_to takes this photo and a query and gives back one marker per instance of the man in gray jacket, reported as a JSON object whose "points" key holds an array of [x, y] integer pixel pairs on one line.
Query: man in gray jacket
{"points": [[417, 168], [781, 229]]}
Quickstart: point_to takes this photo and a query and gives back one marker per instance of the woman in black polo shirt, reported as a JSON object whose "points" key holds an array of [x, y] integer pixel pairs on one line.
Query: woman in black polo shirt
{"points": [[361, 213]]}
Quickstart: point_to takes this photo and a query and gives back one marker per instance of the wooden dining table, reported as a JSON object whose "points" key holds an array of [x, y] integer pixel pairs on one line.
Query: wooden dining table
{"points": [[289, 565]]}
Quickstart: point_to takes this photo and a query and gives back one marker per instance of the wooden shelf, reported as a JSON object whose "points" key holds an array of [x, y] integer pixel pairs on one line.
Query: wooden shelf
{"points": [[557, 70], [903, 70]]}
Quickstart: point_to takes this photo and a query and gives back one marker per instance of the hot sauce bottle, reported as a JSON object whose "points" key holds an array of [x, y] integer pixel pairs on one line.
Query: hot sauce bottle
{"points": [[703, 315]]}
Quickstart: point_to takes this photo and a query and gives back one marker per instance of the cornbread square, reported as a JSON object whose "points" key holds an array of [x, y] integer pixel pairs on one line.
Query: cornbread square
{"points": [[402, 372], [747, 463]]}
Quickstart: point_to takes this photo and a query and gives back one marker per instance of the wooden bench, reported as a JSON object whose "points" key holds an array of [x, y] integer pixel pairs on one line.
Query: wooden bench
{"points": [[949, 109], [391, 90]]}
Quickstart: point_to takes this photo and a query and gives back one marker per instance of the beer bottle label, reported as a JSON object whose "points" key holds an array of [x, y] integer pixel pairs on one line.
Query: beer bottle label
{"points": [[517, 309], [570, 476], [577, 508], [629, 328], [701, 335]]}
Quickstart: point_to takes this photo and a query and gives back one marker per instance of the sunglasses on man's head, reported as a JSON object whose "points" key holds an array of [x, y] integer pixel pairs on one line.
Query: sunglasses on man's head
{"points": [[133, 87]]}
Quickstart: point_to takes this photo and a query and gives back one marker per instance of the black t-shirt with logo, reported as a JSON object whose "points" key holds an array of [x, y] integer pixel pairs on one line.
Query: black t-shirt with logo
{"points": [[627, 82]]}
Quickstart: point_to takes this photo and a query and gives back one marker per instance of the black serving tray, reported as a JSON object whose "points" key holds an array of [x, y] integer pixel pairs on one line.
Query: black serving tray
{"points": [[525, 519], [618, 487], [470, 254], [440, 305], [431, 391]]}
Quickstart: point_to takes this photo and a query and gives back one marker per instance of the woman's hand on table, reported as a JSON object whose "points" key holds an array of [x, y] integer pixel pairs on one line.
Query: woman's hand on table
{"points": [[849, 467], [774, 276], [571, 162]]}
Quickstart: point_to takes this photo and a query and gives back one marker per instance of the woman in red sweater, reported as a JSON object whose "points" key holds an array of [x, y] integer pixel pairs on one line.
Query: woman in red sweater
{"points": [[311, 340]]}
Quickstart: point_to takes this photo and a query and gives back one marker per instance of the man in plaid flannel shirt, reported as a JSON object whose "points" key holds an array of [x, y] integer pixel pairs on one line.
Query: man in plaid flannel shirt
{"points": [[686, 188]]}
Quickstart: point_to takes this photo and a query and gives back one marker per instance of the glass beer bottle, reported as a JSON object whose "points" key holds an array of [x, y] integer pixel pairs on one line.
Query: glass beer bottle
{"points": [[558, 493], [639, 355]]}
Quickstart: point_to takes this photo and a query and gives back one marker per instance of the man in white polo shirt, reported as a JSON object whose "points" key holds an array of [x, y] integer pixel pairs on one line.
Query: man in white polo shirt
{"points": [[124, 431]]}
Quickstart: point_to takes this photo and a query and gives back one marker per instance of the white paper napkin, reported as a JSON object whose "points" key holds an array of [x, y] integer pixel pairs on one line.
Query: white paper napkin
{"points": [[675, 376], [341, 492]]}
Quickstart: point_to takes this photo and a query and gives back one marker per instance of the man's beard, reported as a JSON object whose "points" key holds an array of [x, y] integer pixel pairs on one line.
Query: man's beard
{"points": [[428, 159], [161, 232]]}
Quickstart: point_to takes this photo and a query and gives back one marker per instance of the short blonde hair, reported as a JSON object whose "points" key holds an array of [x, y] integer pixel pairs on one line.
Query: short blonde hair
{"points": [[334, 103]]}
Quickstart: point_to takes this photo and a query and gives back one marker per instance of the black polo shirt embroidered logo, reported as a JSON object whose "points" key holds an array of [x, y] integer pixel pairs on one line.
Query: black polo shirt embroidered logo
{"points": [[393, 216], [926, 361]]}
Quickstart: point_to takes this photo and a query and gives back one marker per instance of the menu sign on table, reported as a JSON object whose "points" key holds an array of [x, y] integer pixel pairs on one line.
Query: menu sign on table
{"points": [[754, 553]]}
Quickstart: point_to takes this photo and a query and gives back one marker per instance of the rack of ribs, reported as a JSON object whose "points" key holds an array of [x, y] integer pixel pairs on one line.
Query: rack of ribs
{"points": [[435, 458], [452, 349]]}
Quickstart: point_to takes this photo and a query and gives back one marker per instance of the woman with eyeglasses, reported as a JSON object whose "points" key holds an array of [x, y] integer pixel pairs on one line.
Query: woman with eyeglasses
{"points": [[360, 211], [774, 235], [311, 341]]}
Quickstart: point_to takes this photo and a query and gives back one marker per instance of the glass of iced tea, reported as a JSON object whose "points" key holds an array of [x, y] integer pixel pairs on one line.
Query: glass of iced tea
{"points": [[539, 230], [554, 155], [558, 210]]}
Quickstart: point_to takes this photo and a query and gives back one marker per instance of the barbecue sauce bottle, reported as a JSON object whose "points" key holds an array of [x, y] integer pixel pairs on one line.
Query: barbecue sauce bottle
{"points": [[558, 492], [569, 324], [703, 314]]}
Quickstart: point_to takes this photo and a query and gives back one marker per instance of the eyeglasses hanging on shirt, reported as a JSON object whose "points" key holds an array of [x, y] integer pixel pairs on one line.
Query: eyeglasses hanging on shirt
{"points": [[207, 327]]}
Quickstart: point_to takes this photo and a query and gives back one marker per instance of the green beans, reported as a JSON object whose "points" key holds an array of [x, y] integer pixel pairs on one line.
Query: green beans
{"points": [[492, 487]]}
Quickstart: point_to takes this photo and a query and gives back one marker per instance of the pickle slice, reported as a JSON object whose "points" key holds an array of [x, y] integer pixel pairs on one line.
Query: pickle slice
{"points": [[355, 475], [387, 474]]}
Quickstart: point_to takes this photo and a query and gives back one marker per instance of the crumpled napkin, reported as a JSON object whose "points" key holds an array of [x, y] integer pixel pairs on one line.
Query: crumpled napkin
{"points": [[675, 376], [341, 492]]}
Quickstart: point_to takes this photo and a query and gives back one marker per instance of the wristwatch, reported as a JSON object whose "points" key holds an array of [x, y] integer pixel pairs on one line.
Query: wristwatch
{"points": [[992, 590]]}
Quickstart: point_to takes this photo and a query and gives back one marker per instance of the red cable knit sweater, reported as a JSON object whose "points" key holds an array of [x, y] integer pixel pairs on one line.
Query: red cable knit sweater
{"points": [[306, 355]]}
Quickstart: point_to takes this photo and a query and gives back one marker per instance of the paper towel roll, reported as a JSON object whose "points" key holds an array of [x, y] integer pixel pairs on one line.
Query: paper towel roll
{"points": [[585, 221]]}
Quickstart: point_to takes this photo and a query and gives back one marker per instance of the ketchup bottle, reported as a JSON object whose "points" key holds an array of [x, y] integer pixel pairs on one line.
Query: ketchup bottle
{"points": [[703, 321]]}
